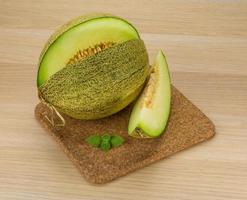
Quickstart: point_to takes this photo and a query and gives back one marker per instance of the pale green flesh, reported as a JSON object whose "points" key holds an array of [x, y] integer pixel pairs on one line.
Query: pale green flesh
{"points": [[151, 120], [81, 37]]}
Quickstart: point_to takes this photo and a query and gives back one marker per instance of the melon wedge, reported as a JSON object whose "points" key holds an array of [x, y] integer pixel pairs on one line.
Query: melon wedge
{"points": [[150, 114]]}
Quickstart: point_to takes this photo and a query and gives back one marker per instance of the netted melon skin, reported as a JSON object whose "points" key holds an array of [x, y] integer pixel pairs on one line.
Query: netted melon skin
{"points": [[99, 85]]}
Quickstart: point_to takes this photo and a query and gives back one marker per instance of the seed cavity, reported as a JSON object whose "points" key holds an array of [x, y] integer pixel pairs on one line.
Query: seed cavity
{"points": [[81, 54], [149, 90]]}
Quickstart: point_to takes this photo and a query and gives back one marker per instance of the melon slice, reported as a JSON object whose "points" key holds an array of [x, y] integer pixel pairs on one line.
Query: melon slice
{"points": [[78, 35], [151, 111]]}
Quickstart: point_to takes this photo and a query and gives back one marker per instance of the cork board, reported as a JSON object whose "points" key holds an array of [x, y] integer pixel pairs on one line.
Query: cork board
{"points": [[187, 126]]}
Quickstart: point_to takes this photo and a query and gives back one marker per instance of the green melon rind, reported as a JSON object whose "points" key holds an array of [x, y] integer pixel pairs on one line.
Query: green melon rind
{"points": [[99, 85], [71, 24]]}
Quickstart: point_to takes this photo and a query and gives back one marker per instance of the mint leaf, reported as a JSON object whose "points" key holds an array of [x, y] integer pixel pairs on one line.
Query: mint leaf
{"points": [[116, 141], [93, 140], [105, 145], [106, 137]]}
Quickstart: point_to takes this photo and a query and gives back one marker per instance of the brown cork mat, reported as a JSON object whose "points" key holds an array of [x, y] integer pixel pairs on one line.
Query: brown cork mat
{"points": [[187, 126]]}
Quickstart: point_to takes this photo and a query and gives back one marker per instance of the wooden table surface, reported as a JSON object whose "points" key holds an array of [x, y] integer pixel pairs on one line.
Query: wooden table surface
{"points": [[205, 42]]}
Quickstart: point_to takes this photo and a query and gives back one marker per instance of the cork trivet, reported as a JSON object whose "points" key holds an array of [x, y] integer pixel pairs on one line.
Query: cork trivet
{"points": [[187, 126]]}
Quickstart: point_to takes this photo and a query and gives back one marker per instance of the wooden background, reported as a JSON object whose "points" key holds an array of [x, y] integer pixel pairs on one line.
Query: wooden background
{"points": [[205, 42]]}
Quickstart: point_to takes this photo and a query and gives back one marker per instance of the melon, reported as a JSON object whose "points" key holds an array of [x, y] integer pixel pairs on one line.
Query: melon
{"points": [[92, 67], [151, 112]]}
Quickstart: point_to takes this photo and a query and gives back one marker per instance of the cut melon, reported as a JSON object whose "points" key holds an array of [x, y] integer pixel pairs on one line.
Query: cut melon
{"points": [[92, 67], [151, 111]]}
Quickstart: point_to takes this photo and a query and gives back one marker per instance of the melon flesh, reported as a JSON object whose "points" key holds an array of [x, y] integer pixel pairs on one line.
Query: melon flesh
{"points": [[81, 36], [151, 111]]}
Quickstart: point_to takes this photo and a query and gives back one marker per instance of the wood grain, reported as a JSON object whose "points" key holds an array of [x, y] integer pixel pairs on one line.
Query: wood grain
{"points": [[205, 42]]}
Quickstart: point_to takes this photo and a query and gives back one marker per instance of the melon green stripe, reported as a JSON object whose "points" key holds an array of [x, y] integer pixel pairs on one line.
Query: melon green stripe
{"points": [[99, 85]]}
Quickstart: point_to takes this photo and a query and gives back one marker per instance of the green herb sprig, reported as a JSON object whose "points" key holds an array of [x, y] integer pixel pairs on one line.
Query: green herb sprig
{"points": [[104, 142]]}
